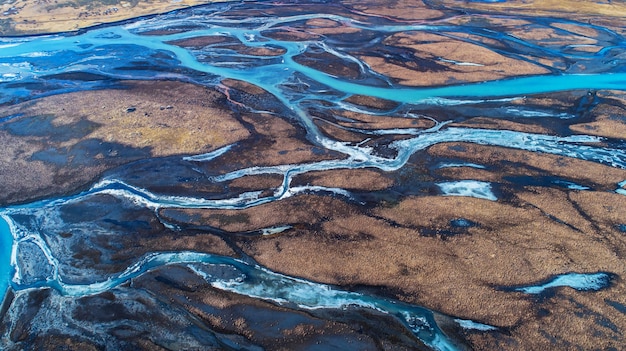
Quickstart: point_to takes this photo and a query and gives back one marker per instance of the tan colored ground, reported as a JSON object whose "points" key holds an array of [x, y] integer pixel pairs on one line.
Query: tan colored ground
{"points": [[46, 16], [513, 244], [169, 118], [402, 9], [50, 16], [409, 249], [493, 123], [471, 63], [609, 120], [515, 162], [547, 7], [349, 179], [401, 246], [326, 26]]}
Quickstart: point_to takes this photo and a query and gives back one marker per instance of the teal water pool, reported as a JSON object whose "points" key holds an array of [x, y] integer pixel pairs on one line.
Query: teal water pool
{"points": [[6, 245]]}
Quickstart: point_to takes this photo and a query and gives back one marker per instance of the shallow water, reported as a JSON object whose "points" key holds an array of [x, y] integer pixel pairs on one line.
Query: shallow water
{"points": [[578, 281], [6, 245], [35, 67]]}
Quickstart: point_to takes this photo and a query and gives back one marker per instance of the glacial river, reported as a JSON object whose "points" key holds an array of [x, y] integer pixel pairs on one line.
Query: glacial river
{"points": [[34, 67]]}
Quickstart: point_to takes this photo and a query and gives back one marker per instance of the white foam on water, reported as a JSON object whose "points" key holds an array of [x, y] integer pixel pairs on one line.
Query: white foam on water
{"points": [[469, 324], [460, 63], [275, 230], [570, 185], [578, 281], [460, 164], [537, 114], [469, 188], [209, 155]]}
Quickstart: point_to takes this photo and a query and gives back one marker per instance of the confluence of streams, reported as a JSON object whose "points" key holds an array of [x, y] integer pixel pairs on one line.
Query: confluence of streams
{"points": [[113, 51]]}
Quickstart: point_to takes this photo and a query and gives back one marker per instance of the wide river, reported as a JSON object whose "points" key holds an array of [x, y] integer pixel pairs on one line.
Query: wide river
{"points": [[149, 49]]}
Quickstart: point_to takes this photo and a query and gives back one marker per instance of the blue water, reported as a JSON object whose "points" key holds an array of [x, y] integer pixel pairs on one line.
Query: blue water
{"points": [[242, 278], [61, 53], [577, 281], [33, 67], [6, 245]]}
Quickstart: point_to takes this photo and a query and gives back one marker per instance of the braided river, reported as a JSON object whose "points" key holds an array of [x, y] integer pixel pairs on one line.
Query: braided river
{"points": [[188, 46]]}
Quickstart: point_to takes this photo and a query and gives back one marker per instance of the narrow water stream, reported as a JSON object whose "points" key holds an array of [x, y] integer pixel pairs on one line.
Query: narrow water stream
{"points": [[35, 67]]}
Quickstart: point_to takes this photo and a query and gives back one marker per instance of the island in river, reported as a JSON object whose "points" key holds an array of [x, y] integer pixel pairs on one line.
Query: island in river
{"points": [[431, 175]]}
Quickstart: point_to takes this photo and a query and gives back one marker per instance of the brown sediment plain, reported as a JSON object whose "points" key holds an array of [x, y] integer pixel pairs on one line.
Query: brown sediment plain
{"points": [[397, 9], [609, 118], [409, 248], [63, 142], [437, 60], [22, 17], [225, 43], [326, 26], [276, 141], [507, 162], [563, 8], [401, 242]]}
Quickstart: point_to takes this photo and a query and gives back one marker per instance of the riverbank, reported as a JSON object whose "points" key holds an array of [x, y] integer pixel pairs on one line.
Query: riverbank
{"points": [[285, 176], [30, 17]]}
